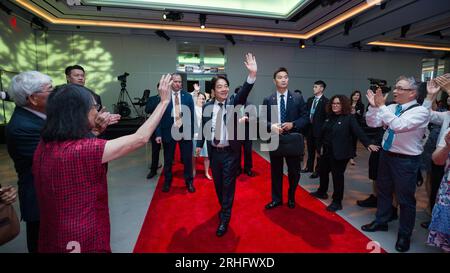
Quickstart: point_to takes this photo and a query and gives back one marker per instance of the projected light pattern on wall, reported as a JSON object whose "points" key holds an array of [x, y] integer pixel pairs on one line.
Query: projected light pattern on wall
{"points": [[23, 49]]}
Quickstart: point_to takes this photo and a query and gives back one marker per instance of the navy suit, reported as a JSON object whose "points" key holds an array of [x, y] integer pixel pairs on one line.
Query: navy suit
{"points": [[152, 103], [169, 143], [224, 161], [23, 134], [295, 113]]}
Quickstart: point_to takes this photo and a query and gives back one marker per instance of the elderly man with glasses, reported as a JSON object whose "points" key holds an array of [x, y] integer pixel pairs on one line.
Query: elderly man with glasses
{"points": [[30, 91], [405, 122]]}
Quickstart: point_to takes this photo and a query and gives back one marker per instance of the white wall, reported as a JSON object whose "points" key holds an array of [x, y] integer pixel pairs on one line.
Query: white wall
{"points": [[146, 57]]}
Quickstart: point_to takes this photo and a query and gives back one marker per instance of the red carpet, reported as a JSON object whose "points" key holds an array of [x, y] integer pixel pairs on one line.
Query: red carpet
{"points": [[179, 221]]}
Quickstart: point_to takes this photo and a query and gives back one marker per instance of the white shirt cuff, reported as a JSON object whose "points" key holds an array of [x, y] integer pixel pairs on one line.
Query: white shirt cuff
{"points": [[251, 80]]}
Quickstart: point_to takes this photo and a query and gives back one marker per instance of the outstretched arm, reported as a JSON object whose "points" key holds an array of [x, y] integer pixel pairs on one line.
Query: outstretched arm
{"points": [[123, 145]]}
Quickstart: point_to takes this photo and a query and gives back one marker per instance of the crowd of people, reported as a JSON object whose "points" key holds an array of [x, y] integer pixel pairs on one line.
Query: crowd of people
{"points": [[61, 160]]}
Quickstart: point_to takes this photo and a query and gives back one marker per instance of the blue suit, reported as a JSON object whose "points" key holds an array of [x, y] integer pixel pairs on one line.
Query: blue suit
{"points": [[169, 143], [297, 114]]}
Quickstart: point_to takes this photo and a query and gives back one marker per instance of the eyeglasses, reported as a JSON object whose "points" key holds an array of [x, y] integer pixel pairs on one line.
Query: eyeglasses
{"points": [[399, 88], [97, 106]]}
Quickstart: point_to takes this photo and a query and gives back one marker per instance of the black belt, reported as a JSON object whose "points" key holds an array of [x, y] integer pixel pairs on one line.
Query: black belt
{"points": [[222, 149], [391, 154]]}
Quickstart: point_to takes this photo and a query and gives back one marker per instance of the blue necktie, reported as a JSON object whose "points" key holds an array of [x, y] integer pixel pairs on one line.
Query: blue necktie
{"points": [[313, 109], [282, 109], [390, 137]]}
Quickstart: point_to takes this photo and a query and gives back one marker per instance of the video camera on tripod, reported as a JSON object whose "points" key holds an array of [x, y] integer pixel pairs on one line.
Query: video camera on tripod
{"points": [[122, 107]]}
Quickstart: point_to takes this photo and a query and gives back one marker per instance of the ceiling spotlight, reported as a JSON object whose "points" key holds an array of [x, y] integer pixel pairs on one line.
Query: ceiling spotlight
{"points": [[173, 16], [202, 19], [302, 44]]}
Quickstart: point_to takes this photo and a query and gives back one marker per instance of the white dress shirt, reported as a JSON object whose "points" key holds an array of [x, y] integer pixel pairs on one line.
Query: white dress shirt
{"points": [[39, 114], [438, 118], [279, 102], [409, 128]]}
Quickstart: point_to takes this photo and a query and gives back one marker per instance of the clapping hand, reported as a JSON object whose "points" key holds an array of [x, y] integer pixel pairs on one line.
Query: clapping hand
{"points": [[8, 195], [432, 88], [444, 81]]}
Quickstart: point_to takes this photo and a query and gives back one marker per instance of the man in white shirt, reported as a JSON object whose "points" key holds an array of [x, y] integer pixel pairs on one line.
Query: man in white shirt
{"points": [[406, 122]]}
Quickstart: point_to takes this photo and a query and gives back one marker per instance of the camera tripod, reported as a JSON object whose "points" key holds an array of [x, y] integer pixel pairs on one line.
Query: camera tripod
{"points": [[122, 107]]}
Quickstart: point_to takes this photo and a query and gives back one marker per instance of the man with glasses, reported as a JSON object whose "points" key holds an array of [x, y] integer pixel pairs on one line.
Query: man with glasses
{"points": [[30, 91], [406, 122]]}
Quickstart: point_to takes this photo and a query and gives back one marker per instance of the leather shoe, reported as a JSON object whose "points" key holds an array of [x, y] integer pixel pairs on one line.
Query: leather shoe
{"points": [[334, 206], [306, 170], [151, 174], [166, 188], [370, 202], [222, 229], [249, 173], [319, 195], [372, 227], [314, 175], [190, 188], [402, 244], [291, 204], [272, 205]]}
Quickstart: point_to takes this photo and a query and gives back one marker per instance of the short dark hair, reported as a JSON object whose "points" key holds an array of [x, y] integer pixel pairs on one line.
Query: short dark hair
{"points": [[322, 83], [72, 67], [345, 104], [298, 91], [67, 113], [216, 78], [360, 97], [281, 69]]}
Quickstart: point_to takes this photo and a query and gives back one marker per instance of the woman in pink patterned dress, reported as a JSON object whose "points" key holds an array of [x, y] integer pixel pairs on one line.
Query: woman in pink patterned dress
{"points": [[70, 166]]}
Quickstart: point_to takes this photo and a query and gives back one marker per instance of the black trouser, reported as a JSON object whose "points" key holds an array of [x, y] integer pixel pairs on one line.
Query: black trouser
{"points": [[32, 236], [224, 164], [155, 153], [312, 143], [437, 172], [186, 147], [373, 165], [248, 162], [276, 168], [354, 144], [337, 168]]}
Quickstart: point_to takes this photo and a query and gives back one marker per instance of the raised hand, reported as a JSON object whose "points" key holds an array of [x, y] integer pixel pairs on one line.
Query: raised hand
{"points": [[444, 81], [432, 87], [371, 98], [250, 63], [379, 99], [164, 88]]}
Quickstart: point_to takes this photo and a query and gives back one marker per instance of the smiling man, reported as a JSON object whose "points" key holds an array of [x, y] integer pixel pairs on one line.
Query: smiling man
{"points": [[399, 162]]}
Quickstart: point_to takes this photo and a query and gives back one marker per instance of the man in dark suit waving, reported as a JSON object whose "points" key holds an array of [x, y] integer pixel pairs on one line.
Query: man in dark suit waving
{"points": [[316, 107], [219, 126], [179, 117], [291, 117]]}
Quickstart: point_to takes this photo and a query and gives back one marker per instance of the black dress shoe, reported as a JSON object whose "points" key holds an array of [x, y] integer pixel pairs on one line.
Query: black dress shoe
{"points": [[272, 205], [402, 244], [306, 170], [151, 174], [334, 206], [370, 202], [425, 225], [372, 227], [166, 188], [319, 195], [190, 188], [314, 175], [249, 173], [291, 204], [222, 229]]}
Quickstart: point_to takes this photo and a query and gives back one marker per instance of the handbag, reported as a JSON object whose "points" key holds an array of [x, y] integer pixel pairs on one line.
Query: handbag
{"points": [[290, 145], [9, 223]]}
